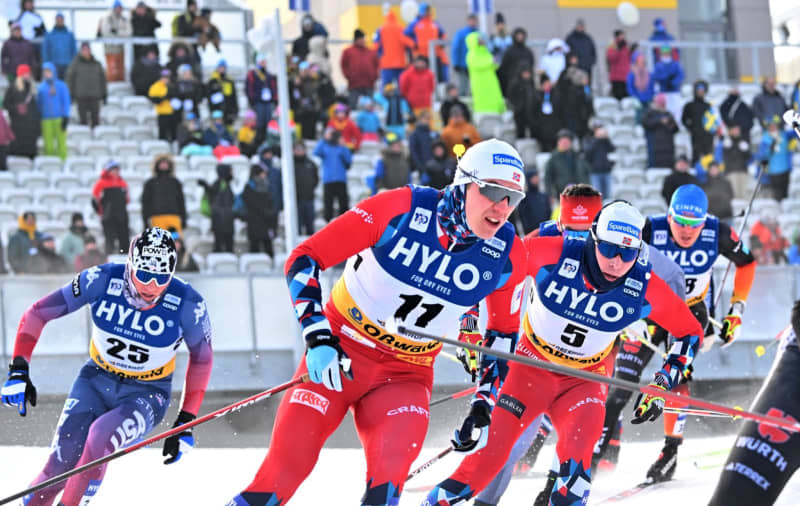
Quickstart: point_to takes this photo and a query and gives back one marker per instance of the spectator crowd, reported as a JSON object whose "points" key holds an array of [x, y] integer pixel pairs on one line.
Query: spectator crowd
{"points": [[389, 108]]}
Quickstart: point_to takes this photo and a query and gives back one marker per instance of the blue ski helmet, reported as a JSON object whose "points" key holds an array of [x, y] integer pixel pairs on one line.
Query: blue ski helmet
{"points": [[690, 203]]}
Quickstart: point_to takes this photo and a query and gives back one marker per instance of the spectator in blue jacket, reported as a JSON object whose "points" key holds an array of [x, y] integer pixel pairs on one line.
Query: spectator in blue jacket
{"points": [[54, 103], [640, 83], [336, 160], [776, 149], [459, 54], [668, 76], [420, 142], [660, 34], [59, 47]]}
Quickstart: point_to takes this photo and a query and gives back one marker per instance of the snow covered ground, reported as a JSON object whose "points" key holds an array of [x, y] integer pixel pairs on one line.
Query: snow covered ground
{"points": [[212, 476]]}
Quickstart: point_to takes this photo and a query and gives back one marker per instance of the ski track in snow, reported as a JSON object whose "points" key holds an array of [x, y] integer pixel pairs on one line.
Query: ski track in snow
{"points": [[212, 476]]}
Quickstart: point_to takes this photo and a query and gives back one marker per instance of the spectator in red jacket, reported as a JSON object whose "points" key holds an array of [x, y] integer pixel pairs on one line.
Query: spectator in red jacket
{"points": [[416, 85], [360, 68], [110, 199], [618, 58], [341, 122]]}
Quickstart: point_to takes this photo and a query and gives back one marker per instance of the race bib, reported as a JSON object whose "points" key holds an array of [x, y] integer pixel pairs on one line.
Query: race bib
{"points": [[266, 94], [217, 98], [175, 103]]}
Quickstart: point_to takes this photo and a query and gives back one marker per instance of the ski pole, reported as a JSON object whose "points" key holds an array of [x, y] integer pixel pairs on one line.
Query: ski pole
{"points": [[231, 408], [741, 230], [697, 412], [393, 327], [456, 395], [439, 456]]}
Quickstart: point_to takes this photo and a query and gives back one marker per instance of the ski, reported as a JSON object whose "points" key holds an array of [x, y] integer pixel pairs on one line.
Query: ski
{"points": [[646, 485]]}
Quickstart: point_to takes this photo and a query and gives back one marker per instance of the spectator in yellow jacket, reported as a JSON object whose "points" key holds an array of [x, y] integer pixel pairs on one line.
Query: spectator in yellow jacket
{"points": [[162, 93]]}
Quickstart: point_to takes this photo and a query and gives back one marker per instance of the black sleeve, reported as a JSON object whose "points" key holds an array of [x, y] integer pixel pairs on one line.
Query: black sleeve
{"points": [[732, 247], [647, 231]]}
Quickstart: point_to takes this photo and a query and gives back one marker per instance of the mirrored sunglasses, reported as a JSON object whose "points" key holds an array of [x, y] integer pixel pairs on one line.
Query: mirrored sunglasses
{"points": [[495, 192]]}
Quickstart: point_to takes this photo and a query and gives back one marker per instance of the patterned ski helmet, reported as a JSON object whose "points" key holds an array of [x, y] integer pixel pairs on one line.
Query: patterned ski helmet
{"points": [[153, 252]]}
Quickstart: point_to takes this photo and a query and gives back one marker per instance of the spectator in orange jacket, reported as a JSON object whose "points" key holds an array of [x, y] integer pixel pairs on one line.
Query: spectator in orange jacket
{"points": [[417, 84], [767, 241], [424, 30], [360, 68], [391, 46], [341, 122], [459, 131]]}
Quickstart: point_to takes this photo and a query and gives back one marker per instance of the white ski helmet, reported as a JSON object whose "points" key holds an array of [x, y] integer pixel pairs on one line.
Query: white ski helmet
{"points": [[153, 252], [491, 159], [619, 223]]}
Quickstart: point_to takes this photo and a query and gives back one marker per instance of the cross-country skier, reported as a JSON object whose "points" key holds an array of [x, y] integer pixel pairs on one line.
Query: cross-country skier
{"points": [[140, 314], [587, 289], [415, 254], [693, 239], [764, 457], [579, 204]]}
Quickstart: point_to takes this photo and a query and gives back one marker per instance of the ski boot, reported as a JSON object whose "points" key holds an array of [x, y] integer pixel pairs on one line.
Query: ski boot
{"points": [[543, 499], [663, 469]]}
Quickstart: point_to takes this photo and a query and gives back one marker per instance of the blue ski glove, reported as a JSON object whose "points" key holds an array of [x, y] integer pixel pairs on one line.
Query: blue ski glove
{"points": [[18, 388], [324, 359], [181, 443], [465, 440]]}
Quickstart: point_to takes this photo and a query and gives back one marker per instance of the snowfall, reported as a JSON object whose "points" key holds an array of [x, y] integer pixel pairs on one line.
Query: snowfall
{"points": [[213, 476]]}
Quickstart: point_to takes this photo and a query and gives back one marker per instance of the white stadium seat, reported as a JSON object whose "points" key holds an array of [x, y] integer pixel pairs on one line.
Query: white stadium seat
{"points": [[528, 149], [222, 263], [124, 149], [49, 197], [154, 147], [97, 149], [8, 213], [77, 164], [80, 196], [257, 263], [123, 119], [19, 164], [136, 132], [48, 164], [31, 180], [203, 164], [141, 164], [78, 133], [107, 133], [7, 180]]}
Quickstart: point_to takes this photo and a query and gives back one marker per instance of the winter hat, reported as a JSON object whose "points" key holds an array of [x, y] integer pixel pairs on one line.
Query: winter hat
{"points": [[111, 164], [302, 66], [249, 115], [658, 23], [23, 70], [690, 203], [117, 3], [499, 18], [358, 34], [59, 14], [216, 114], [222, 63], [166, 73]]}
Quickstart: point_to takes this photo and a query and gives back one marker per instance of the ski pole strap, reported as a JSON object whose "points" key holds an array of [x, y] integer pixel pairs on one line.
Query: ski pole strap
{"points": [[231, 408]]}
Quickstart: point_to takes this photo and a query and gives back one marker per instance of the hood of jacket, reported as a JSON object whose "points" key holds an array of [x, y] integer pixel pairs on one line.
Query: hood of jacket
{"points": [[51, 67], [472, 41], [171, 170]]}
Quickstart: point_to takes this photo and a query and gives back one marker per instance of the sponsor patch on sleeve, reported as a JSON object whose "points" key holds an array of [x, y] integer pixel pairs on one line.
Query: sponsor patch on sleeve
{"points": [[660, 237], [76, 285], [512, 405], [569, 268]]}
